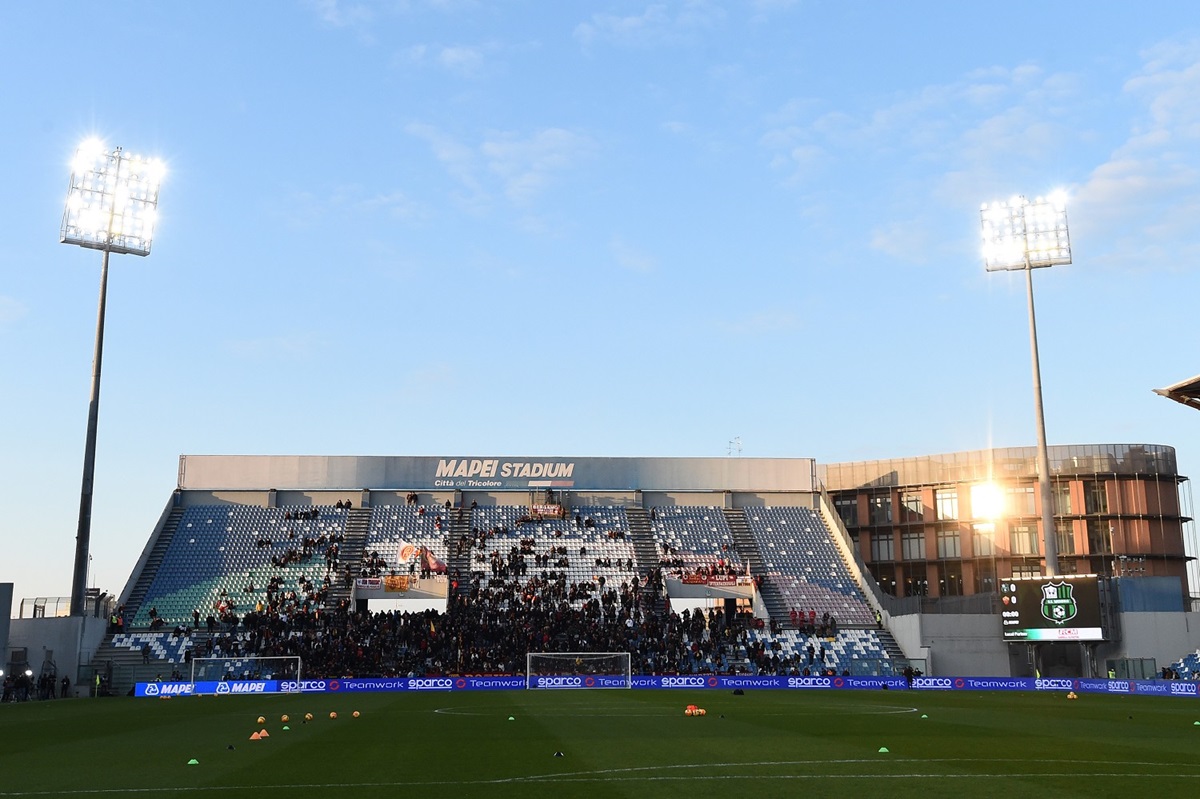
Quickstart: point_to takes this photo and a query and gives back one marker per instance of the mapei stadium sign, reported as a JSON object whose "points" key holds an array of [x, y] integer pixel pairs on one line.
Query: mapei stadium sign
{"points": [[483, 473], [497, 473]]}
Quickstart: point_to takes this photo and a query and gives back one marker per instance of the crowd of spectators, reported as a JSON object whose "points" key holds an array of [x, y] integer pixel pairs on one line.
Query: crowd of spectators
{"points": [[497, 622], [522, 595], [808, 623]]}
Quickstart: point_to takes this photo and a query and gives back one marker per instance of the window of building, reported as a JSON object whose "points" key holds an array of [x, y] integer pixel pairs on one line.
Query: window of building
{"points": [[985, 578], [912, 509], [1065, 532], [983, 540], [947, 504], [1095, 496], [913, 545], [916, 581], [948, 544], [881, 509], [885, 575], [847, 508], [1023, 539], [1018, 501], [1099, 534], [1062, 498], [1026, 570], [881, 547], [1068, 566], [950, 578]]}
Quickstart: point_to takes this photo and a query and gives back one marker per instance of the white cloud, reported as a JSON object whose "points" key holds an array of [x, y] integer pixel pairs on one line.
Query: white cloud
{"points": [[505, 163], [461, 59], [460, 161], [307, 209], [629, 257], [905, 240], [983, 117], [765, 322], [1146, 196], [467, 61], [340, 14], [655, 26], [395, 204], [10, 310], [520, 168], [296, 347], [527, 166]]}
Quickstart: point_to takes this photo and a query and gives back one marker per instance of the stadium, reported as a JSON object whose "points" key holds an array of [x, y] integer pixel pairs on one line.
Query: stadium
{"points": [[430, 274], [306, 593], [686, 566]]}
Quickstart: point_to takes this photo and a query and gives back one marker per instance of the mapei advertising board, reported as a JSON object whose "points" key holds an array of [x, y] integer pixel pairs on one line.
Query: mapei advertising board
{"points": [[1063, 608]]}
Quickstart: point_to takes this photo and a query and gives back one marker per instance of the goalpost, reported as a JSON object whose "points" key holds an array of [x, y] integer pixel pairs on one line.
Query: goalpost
{"points": [[283, 668], [578, 670]]}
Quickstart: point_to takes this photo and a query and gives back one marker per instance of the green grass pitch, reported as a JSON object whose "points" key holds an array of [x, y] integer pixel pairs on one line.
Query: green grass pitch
{"points": [[614, 743]]}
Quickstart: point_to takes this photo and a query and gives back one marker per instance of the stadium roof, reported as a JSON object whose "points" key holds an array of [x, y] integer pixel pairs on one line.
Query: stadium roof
{"points": [[1186, 392]]}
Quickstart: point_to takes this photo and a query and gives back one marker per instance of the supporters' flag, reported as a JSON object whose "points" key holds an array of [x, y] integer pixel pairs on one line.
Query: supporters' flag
{"points": [[406, 552], [430, 561]]}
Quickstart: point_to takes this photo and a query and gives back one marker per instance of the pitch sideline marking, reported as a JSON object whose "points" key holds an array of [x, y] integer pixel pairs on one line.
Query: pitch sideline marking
{"points": [[610, 775]]}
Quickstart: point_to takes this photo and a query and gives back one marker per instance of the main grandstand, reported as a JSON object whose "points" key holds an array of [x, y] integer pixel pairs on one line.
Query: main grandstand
{"points": [[441, 566], [422, 566]]}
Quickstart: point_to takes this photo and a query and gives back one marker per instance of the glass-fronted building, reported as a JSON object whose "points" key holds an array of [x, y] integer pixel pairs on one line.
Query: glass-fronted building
{"points": [[950, 525]]}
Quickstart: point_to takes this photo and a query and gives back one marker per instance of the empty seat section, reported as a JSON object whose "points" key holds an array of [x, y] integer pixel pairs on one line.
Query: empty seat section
{"points": [[806, 565], [225, 556], [693, 537]]}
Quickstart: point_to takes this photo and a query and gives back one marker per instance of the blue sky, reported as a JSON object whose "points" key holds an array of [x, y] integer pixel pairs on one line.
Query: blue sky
{"points": [[614, 228]]}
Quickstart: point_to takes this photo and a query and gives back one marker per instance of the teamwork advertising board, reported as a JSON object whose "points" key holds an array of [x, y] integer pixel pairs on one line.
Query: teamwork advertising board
{"points": [[1063, 608]]}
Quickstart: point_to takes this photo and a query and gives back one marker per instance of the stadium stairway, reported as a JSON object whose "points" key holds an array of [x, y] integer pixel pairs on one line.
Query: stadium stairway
{"points": [[645, 551], [894, 652], [133, 602], [460, 530], [747, 547], [122, 665], [350, 554]]}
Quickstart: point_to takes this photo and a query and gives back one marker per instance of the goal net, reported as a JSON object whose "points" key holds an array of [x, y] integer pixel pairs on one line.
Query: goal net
{"points": [[236, 669], [578, 670]]}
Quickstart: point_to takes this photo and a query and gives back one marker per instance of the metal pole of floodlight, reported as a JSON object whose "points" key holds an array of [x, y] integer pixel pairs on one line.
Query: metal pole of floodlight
{"points": [[112, 206], [1024, 235]]}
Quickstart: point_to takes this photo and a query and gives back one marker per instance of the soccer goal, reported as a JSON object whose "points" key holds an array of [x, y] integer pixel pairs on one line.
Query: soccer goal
{"points": [[284, 668], [578, 670]]}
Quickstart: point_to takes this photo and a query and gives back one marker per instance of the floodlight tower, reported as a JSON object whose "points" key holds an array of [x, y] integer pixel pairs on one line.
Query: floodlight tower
{"points": [[1024, 235], [112, 206]]}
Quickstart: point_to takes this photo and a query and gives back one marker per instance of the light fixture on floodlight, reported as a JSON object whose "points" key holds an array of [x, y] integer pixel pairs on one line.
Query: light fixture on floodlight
{"points": [[112, 206], [1023, 235], [1019, 234]]}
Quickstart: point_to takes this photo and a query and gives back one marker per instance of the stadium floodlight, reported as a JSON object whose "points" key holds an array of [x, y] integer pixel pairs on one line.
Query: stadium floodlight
{"points": [[112, 206], [1023, 235]]}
